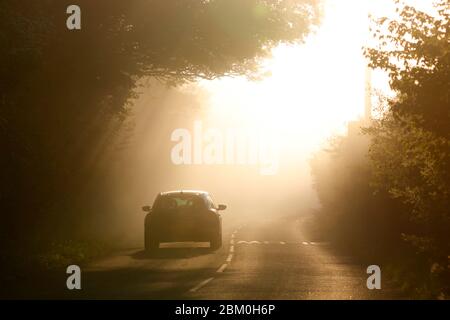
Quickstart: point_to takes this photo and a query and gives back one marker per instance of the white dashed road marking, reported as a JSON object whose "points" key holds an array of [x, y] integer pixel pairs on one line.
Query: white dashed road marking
{"points": [[274, 242], [201, 284], [249, 242], [231, 252], [222, 267]]}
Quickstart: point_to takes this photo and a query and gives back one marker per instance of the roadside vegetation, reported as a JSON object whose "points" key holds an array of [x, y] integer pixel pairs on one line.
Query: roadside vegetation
{"points": [[66, 95], [385, 189]]}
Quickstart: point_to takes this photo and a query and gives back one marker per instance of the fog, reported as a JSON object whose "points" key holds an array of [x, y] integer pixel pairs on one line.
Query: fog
{"points": [[141, 164], [248, 143]]}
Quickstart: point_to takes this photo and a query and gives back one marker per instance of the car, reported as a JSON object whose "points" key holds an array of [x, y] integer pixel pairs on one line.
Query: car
{"points": [[183, 216]]}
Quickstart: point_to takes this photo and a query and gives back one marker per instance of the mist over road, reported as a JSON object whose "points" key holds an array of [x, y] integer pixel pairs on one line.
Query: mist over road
{"points": [[268, 259]]}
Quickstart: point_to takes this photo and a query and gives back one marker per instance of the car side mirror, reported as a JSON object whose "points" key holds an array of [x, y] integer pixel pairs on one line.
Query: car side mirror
{"points": [[221, 207], [146, 209]]}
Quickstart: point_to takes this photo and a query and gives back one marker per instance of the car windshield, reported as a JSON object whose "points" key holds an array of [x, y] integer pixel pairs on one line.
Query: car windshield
{"points": [[178, 202]]}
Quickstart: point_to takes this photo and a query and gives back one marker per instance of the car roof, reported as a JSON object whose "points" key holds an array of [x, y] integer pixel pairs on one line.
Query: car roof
{"points": [[189, 192]]}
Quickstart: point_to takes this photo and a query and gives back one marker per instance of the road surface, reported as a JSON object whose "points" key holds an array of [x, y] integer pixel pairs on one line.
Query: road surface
{"points": [[269, 259]]}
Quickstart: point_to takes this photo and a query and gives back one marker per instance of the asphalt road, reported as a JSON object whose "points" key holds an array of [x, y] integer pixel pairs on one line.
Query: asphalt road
{"points": [[269, 259]]}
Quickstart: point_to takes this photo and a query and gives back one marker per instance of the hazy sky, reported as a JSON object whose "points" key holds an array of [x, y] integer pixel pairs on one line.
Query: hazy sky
{"points": [[316, 87], [314, 90]]}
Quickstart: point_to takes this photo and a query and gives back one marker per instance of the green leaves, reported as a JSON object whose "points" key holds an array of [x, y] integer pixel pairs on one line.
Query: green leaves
{"points": [[414, 49], [411, 163], [410, 144]]}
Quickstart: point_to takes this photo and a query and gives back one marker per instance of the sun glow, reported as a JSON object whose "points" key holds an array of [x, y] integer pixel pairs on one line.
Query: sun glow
{"points": [[315, 88]]}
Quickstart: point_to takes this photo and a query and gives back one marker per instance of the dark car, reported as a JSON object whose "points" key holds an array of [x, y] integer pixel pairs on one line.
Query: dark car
{"points": [[180, 216]]}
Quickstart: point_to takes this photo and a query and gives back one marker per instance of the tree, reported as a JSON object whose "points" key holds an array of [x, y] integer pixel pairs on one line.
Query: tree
{"points": [[64, 94], [396, 200], [414, 50], [410, 147]]}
